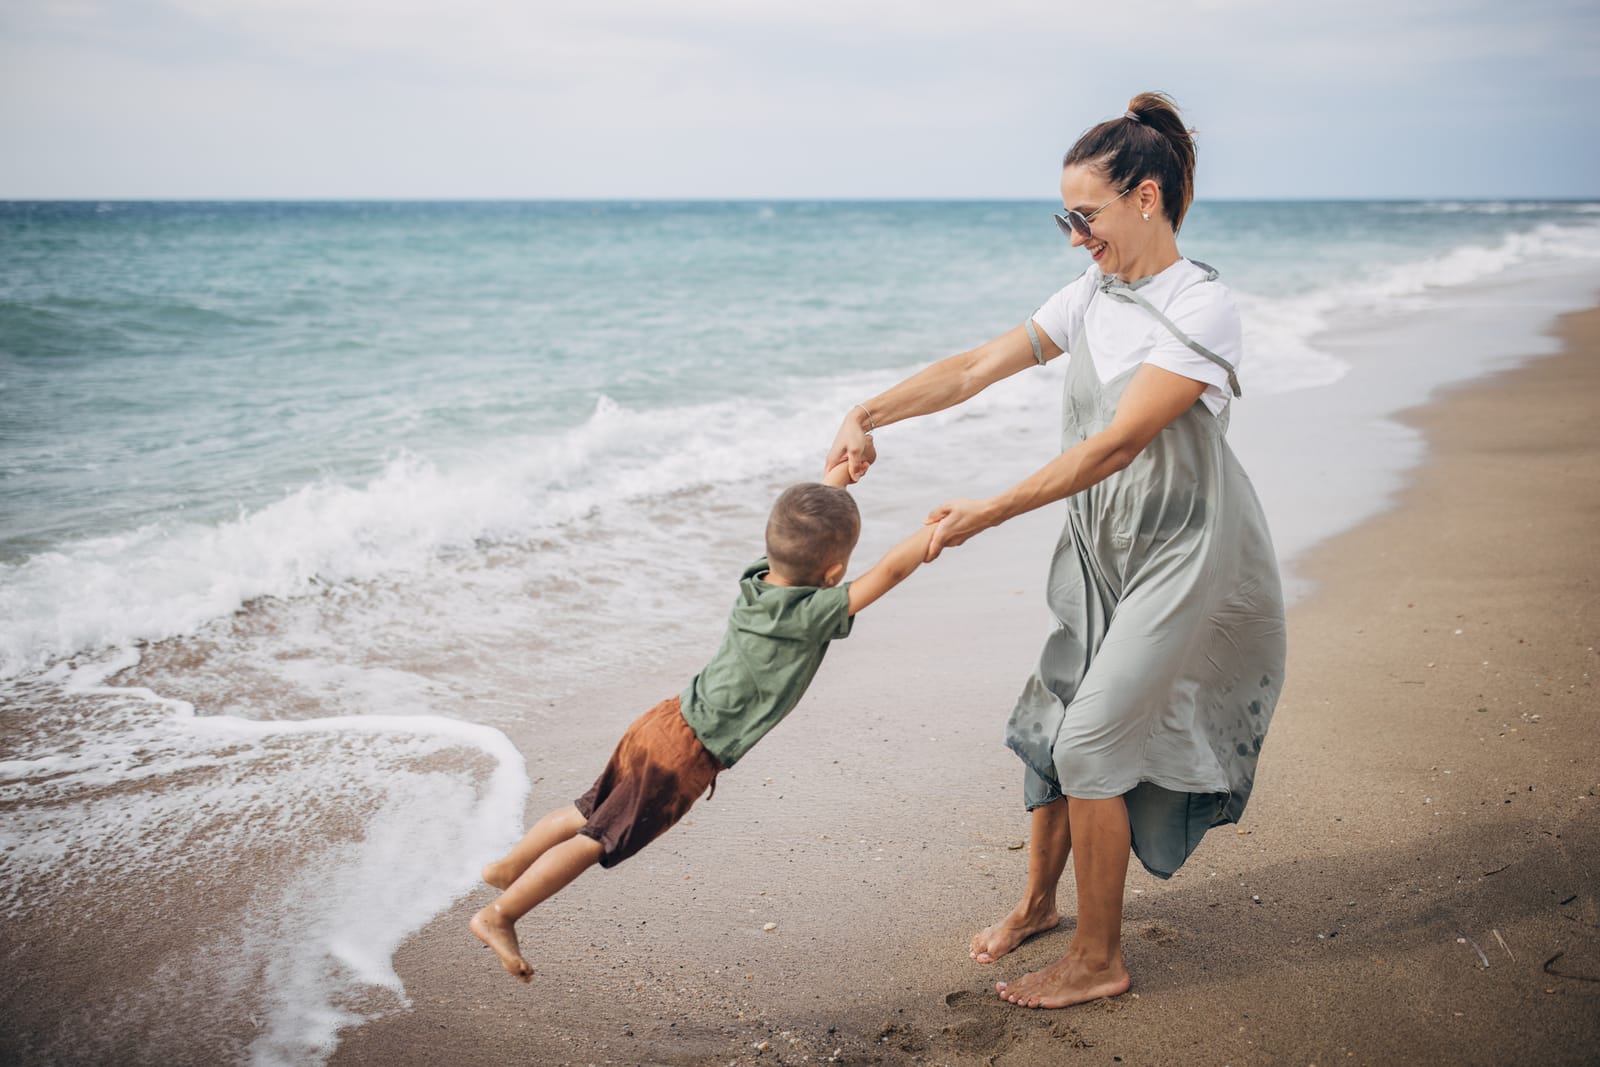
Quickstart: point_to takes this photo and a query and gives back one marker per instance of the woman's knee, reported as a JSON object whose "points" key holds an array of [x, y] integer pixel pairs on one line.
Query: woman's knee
{"points": [[1086, 773]]}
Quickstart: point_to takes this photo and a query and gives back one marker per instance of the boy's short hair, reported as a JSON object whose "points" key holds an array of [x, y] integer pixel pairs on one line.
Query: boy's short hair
{"points": [[812, 527]]}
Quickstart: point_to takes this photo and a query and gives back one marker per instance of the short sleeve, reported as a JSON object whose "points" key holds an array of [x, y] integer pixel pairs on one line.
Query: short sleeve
{"points": [[827, 614], [1062, 315], [1206, 313]]}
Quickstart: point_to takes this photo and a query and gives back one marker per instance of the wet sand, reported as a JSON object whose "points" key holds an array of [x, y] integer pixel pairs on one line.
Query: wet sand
{"points": [[1415, 880]]}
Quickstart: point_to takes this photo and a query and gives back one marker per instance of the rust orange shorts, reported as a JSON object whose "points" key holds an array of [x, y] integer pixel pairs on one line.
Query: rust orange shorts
{"points": [[658, 771]]}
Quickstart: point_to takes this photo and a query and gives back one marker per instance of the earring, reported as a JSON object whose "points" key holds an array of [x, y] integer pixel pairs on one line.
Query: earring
{"points": [[1146, 215]]}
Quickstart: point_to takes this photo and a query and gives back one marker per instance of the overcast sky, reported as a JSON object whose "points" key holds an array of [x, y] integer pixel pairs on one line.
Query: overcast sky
{"points": [[821, 98]]}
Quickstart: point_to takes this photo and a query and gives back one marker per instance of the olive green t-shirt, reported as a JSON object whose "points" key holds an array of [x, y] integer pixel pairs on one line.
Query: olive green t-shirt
{"points": [[775, 641]]}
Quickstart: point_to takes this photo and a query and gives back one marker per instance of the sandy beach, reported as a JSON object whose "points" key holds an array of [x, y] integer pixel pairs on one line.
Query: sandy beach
{"points": [[1415, 880]]}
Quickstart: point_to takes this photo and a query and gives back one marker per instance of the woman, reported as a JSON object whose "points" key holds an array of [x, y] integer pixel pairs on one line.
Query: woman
{"points": [[1141, 727]]}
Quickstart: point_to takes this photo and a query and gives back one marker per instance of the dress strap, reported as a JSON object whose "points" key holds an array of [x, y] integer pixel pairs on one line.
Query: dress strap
{"points": [[1119, 290]]}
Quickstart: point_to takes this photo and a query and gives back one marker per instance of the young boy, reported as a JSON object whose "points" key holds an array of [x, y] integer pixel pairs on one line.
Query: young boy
{"points": [[790, 606]]}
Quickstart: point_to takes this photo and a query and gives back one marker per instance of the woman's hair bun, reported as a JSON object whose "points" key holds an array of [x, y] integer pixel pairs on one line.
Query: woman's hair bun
{"points": [[1149, 140]]}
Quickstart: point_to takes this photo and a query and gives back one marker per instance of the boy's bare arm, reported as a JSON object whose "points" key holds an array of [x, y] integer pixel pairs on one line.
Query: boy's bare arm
{"points": [[838, 475], [895, 566]]}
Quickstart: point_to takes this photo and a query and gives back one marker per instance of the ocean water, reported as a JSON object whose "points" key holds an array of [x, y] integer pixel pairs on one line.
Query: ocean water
{"points": [[302, 505]]}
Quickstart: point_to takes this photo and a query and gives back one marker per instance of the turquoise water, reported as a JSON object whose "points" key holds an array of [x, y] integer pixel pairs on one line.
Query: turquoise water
{"points": [[195, 359], [313, 500]]}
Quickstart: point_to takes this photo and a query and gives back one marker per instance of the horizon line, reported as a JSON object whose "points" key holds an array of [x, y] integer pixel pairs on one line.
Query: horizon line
{"points": [[1440, 198]]}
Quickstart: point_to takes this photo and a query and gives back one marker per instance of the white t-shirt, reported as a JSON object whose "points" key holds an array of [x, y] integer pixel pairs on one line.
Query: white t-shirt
{"points": [[1123, 335]]}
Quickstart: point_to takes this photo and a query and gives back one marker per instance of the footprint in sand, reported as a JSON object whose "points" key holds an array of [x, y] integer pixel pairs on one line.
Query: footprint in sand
{"points": [[980, 1022], [988, 1024]]}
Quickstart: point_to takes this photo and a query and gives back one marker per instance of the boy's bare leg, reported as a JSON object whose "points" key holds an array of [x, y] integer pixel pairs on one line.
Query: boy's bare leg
{"points": [[554, 828], [1049, 844], [1092, 967], [555, 868]]}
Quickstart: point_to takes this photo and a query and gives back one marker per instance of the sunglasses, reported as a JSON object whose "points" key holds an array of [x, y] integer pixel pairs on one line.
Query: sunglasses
{"points": [[1076, 222]]}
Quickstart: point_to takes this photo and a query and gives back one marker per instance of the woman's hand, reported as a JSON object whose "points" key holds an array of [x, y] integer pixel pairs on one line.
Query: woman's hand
{"points": [[957, 521], [852, 444]]}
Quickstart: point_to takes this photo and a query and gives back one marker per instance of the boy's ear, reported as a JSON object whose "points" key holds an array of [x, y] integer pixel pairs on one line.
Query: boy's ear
{"points": [[834, 575]]}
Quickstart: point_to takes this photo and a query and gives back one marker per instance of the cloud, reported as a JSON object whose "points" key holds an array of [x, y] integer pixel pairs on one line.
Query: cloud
{"points": [[714, 97]]}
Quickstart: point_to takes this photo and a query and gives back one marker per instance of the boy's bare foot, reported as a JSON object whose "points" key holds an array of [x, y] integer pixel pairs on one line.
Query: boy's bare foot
{"points": [[1070, 980], [496, 875], [494, 930], [992, 942]]}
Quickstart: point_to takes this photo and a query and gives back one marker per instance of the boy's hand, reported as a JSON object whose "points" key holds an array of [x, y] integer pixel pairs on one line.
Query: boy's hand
{"points": [[838, 475]]}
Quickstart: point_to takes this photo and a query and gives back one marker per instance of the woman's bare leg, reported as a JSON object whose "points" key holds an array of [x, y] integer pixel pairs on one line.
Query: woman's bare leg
{"points": [[1092, 967], [1049, 844], [554, 828]]}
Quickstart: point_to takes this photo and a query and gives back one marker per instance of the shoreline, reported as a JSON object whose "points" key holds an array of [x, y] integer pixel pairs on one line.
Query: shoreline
{"points": [[1369, 860], [1346, 449]]}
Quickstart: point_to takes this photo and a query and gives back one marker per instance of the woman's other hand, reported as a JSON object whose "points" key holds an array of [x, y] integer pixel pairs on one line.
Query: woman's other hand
{"points": [[956, 522], [853, 444]]}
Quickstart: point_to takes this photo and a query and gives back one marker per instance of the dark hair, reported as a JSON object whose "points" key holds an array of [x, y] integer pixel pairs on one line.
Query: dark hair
{"points": [[1149, 141], [812, 527]]}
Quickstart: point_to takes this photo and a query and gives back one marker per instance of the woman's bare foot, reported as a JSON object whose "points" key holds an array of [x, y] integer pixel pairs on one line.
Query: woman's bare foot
{"points": [[992, 942], [496, 875], [1070, 980], [498, 933]]}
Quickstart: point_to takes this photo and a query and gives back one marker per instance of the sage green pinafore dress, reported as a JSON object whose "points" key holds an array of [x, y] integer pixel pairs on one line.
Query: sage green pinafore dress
{"points": [[1167, 657]]}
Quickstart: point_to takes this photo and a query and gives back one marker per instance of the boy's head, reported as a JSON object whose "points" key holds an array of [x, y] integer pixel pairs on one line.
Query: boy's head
{"points": [[811, 532]]}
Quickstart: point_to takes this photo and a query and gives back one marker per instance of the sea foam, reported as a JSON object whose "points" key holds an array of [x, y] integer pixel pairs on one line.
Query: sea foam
{"points": [[1283, 352], [170, 797]]}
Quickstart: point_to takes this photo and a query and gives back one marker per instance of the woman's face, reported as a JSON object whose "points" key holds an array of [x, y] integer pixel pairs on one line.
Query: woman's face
{"points": [[1121, 234]]}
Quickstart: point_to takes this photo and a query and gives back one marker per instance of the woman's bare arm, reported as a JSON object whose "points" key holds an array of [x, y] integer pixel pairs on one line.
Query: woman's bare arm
{"points": [[1154, 398], [943, 384]]}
